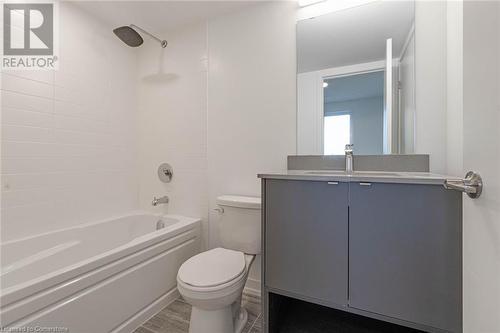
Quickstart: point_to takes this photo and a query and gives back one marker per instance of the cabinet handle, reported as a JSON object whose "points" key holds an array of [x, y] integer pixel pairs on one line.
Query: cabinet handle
{"points": [[365, 184], [333, 183]]}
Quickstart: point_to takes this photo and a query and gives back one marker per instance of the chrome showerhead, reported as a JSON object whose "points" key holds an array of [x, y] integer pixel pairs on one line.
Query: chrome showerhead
{"points": [[131, 37]]}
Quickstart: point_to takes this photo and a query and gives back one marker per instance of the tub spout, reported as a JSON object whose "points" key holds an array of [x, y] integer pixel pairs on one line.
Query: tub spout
{"points": [[162, 200]]}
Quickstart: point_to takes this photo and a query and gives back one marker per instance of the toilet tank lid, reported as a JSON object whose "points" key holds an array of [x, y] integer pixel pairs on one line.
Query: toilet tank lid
{"points": [[239, 201]]}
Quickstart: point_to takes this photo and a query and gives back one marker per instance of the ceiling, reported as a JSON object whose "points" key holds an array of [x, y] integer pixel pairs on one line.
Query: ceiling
{"points": [[347, 88], [158, 16], [352, 36]]}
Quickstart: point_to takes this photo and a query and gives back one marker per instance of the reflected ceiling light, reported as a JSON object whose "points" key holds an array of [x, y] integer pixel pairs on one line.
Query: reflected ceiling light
{"points": [[325, 84], [315, 8]]}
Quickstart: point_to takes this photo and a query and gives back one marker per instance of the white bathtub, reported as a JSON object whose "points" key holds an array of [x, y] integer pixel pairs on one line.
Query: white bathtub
{"points": [[108, 276]]}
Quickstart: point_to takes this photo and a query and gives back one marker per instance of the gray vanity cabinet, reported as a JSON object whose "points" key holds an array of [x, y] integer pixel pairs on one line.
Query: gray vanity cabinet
{"points": [[405, 253], [306, 237]]}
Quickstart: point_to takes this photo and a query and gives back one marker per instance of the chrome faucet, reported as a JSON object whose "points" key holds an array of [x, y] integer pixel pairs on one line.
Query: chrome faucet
{"points": [[348, 158], [162, 200]]}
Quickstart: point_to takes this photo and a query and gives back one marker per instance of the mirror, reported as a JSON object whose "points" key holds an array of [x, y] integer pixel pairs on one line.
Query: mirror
{"points": [[356, 80]]}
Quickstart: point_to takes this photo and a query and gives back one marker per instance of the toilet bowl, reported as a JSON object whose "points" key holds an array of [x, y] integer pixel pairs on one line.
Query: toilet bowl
{"points": [[213, 281]]}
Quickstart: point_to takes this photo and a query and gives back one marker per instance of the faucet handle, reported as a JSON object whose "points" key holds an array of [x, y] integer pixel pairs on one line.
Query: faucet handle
{"points": [[348, 148]]}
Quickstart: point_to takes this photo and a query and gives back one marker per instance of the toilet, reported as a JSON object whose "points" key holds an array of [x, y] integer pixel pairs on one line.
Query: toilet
{"points": [[213, 281]]}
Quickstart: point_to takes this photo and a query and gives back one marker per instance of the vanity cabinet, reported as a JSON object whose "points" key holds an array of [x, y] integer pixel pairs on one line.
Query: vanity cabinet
{"points": [[306, 239], [389, 251], [405, 254]]}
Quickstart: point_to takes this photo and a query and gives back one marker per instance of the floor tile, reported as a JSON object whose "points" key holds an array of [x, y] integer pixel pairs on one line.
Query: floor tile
{"points": [[141, 329], [250, 322], [257, 326], [175, 317], [178, 310], [255, 330]]}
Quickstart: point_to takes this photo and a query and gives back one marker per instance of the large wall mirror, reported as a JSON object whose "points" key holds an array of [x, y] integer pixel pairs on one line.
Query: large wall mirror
{"points": [[356, 80]]}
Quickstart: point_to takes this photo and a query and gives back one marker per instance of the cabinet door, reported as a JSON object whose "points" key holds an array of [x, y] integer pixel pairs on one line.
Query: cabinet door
{"points": [[306, 239], [405, 253]]}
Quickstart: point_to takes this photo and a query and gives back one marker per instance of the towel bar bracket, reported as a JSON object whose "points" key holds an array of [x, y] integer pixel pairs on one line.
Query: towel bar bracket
{"points": [[472, 184]]}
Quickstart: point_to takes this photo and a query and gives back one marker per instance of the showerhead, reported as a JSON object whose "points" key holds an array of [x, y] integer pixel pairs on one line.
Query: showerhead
{"points": [[131, 37]]}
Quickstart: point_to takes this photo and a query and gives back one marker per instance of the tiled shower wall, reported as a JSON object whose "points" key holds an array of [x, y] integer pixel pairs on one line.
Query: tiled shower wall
{"points": [[68, 136], [172, 121]]}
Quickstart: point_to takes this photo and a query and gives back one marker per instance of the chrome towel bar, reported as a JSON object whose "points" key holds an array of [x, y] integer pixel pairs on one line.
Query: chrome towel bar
{"points": [[472, 184]]}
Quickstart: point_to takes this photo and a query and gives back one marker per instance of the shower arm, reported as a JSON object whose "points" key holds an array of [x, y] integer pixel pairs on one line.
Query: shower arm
{"points": [[162, 42]]}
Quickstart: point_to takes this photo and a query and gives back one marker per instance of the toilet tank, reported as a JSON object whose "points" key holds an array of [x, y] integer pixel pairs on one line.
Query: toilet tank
{"points": [[239, 224]]}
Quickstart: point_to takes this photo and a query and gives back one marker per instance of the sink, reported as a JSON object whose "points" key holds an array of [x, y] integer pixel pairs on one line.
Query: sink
{"points": [[326, 172], [375, 174], [355, 173]]}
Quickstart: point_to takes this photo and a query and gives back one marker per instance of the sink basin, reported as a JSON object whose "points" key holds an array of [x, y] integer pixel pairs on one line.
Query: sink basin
{"points": [[355, 173], [326, 172], [375, 174]]}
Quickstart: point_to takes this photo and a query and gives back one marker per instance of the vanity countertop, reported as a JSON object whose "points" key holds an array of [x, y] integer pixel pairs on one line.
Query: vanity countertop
{"points": [[360, 176]]}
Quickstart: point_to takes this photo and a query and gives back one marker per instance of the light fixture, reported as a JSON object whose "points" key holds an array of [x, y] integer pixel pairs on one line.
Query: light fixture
{"points": [[325, 84], [318, 8]]}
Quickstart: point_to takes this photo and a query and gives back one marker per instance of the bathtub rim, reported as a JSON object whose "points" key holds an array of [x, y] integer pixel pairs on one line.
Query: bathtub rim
{"points": [[87, 224], [27, 288]]}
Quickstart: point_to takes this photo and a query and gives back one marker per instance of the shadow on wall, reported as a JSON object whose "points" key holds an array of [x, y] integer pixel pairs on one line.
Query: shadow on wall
{"points": [[160, 77]]}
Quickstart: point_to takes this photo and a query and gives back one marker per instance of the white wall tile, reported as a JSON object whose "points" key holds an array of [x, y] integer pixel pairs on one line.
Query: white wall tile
{"points": [[12, 116], [26, 197], [16, 220], [45, 76], [172, 118], [16, 182], [27, 86], [27, 133], [20, 101], [41, 165], [59, 140]]}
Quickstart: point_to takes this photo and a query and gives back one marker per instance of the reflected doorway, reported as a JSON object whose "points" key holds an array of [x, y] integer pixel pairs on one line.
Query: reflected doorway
{"points": [[354, 113]]}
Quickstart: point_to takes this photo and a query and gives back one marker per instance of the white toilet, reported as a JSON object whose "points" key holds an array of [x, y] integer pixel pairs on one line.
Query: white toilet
{"points": [[212, 281]]}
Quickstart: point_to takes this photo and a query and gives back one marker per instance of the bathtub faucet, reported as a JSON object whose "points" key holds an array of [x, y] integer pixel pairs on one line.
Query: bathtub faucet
{"points": [[162, 200]]}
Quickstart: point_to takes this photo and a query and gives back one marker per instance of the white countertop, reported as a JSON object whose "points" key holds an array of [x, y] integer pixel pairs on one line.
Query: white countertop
{"points": [[360, 176]]}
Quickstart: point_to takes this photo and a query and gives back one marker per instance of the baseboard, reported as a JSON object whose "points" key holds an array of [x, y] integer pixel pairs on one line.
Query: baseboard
{"points": [[144, 314], [252, 287]]}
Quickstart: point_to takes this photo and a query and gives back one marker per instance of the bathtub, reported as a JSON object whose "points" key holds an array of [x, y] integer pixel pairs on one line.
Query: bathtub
{"points": [[108, 276]]}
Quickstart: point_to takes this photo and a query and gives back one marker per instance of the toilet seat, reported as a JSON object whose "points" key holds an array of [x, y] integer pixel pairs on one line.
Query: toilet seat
{"points": [[212, 269]]}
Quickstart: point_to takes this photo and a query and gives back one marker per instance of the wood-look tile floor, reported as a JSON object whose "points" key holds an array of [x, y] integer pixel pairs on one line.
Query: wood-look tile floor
{"points": [[175, 317]]}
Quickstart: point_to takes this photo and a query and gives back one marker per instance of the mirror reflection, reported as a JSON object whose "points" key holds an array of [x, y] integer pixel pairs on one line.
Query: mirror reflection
{"points": [[356, 80]]}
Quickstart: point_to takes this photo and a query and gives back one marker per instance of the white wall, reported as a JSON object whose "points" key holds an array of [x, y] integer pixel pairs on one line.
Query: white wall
{"points": [[430, 84], [481, 153], [407, 97], [251, 101], [309, 114], [454, 89], [172, 118], [68, 137]]}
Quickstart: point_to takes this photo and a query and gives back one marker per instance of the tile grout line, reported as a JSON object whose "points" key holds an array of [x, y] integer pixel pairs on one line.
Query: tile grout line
{"points": [[253, 324], [147, 329]]}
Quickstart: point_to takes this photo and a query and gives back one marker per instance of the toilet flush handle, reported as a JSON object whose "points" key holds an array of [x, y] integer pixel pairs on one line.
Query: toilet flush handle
{"points": [[220, 210]]}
